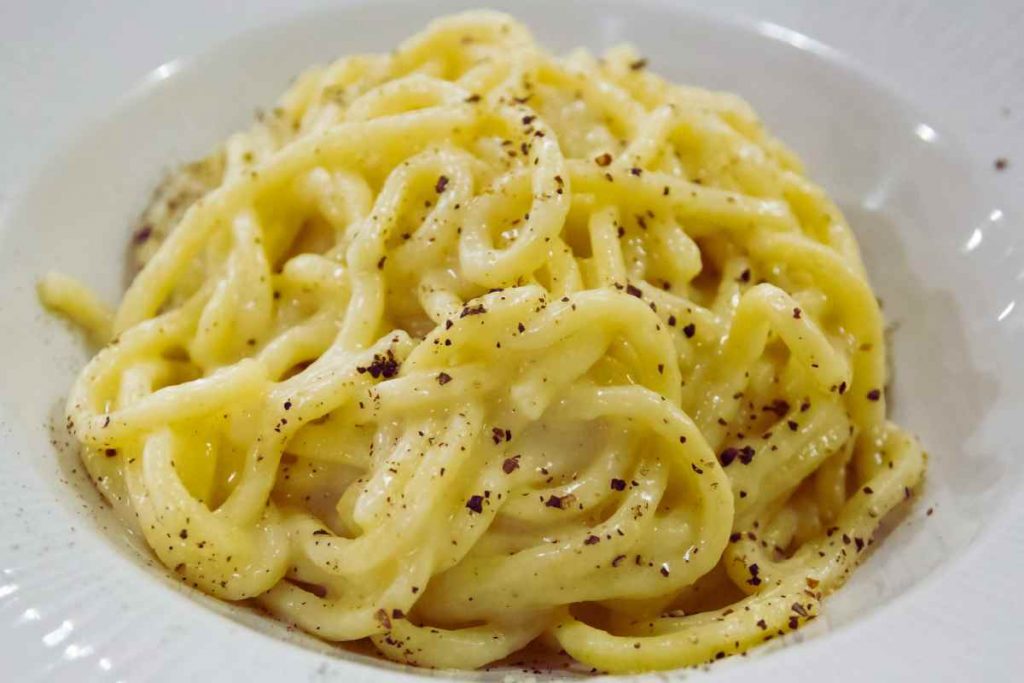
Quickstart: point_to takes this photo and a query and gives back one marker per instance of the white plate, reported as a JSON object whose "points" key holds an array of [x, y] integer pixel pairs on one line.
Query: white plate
{"points": [[902, 124]]}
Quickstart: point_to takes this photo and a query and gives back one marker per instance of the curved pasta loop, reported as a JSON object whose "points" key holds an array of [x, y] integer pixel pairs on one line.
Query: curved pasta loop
{"points": [[785, 595], [545, 178], [470, 647], [465, 347]]}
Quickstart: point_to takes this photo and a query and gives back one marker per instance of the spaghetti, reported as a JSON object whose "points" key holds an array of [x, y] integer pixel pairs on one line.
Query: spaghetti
{"points": [[464, 347]]}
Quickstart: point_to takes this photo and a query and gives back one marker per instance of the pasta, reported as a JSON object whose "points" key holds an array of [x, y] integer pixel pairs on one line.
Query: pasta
{"points": [[466, 347]]}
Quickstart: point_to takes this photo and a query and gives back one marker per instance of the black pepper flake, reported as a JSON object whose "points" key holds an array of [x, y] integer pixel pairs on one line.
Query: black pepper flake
{"points": [[472, 310], [638, 64], [604, 159], [142, 234], [842, 388], [735, 536], [664, 570], [634, 291], [383, 365], [745, 455], [779, 406], [442, 182], [475, 504], [754, 579], [527, 120], [287, 405], [745, 275], [473, 98], [762, 624], [591, 540], [636, 171], [799, 609], [859, 542], [618, 560], [874, 395], [521, 327], [794, 623], [1001, 163], [321, 532], [793, 425], [618, 484], [693, 466], [557, 502], [443, 378], [671, 321], [383, 619], [661, 368], [183, 534], [397, 614], [690, 330], [498, 435], [380, 263], [797, 313], [868, 490], [510, 465], [110, 452]]}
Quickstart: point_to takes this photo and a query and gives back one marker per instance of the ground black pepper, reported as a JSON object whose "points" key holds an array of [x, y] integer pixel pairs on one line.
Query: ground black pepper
{"points": [[383, 365]]}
